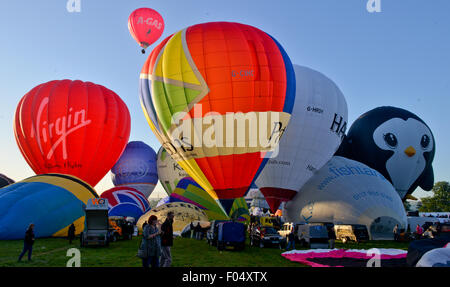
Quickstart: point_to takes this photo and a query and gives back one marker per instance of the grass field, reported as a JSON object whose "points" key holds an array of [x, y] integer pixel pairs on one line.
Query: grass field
{"points": [[51, 252]]}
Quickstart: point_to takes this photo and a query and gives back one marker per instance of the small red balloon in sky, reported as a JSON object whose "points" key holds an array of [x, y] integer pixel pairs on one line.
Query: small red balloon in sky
{"points": [[146, 26], [72, 127]]}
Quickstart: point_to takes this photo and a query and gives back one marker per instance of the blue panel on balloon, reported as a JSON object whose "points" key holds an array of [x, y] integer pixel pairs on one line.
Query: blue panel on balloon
{"points": [[136, 165], [49, 207], [126, 210]]}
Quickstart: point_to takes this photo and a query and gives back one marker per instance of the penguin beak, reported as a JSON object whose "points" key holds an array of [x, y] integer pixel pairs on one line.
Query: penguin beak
{"points": [[410, 151]]}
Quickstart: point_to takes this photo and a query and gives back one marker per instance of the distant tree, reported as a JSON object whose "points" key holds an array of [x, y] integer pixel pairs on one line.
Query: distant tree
{"points": [[440, 201]]}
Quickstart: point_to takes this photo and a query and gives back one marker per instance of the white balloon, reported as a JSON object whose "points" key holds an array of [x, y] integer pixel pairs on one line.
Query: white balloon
{"points": [[169, 171], [345, 191], [314, 133], [439, 257]]}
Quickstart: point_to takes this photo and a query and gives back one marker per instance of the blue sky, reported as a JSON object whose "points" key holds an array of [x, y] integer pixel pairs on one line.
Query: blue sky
{"points": [[399, 57]]}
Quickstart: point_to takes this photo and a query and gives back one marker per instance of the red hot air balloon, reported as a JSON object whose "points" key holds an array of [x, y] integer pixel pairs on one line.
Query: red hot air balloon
{"points": [[72, 127], [146, 26]]}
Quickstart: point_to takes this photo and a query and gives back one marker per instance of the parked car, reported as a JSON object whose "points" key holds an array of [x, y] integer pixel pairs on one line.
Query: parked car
{"points": [[120, 228], [231, 234], [264, 236], [351, 232], [313, 235]]}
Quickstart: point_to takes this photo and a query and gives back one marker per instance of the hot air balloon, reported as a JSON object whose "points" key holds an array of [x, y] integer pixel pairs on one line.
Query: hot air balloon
{"points": [[315, 131], [145, 26], [72, 127], [345, 191], [239, 210], [218, 96], [395, 142], [51, 201], [126, 201], [4, 180], [169, 171], [136, 168], [184, 214], [189, 191]]}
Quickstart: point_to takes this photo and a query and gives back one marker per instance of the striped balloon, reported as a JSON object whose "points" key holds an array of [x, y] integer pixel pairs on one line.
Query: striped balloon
{"points": [[126, 201], [199, 83]]}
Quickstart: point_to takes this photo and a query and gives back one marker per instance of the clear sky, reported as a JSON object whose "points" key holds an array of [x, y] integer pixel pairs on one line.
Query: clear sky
{"points": [[399, 57]]}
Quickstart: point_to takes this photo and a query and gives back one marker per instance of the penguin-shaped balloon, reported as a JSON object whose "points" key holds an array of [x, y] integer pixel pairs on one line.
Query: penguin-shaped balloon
{"points": [[395, 142]]}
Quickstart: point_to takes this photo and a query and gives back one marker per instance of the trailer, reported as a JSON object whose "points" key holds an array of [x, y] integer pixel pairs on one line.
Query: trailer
{"points": [[96, 224]]}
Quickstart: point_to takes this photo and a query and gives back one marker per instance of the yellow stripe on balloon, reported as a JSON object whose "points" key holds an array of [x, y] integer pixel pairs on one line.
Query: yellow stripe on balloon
{"points": [[77, 189], [196, 173], [173, 59], [79, 227]]}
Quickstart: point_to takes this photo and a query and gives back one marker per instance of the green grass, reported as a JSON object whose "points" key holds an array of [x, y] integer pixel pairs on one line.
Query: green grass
{"points": [[51, 252]]}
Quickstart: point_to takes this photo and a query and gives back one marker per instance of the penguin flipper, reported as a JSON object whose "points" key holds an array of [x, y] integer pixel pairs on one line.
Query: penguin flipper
{"points": [[427, 180]]}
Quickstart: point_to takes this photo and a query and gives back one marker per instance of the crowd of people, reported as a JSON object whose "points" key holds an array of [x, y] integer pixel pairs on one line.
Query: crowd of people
{"points": [[424, 231]]}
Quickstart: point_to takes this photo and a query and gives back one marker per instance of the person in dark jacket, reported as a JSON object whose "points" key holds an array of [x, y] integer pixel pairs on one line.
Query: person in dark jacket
{"points": [[291, 240], [71, 233], [331, 237], [198, 231], [191, 226], [167, 240], [28, 242]]}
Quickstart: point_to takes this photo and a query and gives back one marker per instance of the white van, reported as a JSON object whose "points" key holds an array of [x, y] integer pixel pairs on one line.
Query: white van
{"points": [[286, 229]]}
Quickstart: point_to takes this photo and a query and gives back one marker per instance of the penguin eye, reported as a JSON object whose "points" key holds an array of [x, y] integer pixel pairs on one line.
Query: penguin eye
{"points": [[390, 139], [425, 141]]}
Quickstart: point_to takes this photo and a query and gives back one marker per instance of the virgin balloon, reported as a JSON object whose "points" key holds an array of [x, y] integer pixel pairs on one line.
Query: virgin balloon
{"points": [[72, 127]]}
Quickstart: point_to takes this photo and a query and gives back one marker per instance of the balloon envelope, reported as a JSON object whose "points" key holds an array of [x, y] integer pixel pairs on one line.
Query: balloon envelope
{"points": [[136, 168], [51, 201], [315, 131], [126, 201], [184, 213], [146, 26], [72, 127], [169, 171], [345, 191], [189, 191], [213, 72], [395, 142]]}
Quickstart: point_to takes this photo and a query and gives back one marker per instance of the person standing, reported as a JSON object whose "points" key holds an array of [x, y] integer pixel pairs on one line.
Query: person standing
{"points": [[331, 237], [291, 240], [71, 233], [191, 226], [419, 231], [395, 232], [28, 242], [198, 231], [152, 243], [167, 240]]}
